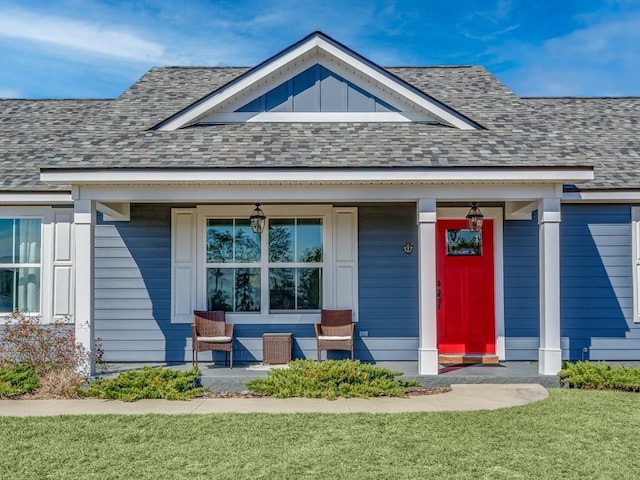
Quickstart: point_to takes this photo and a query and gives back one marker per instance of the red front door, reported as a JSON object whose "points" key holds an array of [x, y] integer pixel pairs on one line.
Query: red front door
{"points": [[465, 291]]}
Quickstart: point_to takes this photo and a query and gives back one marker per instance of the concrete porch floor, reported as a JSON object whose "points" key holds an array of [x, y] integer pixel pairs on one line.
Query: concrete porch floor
{"points": [[220, 378]]}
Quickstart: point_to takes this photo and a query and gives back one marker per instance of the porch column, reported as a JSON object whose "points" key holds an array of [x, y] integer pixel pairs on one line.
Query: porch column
{"points": [[84, 217], [428, 331], [550, 353]]}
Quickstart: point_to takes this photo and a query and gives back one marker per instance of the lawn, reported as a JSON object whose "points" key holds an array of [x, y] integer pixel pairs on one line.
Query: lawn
{"points": [[574, 434]]}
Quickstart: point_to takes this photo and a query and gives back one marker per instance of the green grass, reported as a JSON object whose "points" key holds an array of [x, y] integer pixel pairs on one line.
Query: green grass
{"points": [[574, 434]]}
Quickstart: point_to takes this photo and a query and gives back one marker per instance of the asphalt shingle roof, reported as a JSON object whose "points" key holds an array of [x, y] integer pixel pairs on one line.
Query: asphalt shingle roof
{"points": [[518, 132]]}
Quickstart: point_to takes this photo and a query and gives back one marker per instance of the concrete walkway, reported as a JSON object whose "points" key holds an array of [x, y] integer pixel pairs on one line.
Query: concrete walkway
{"points": [[462, 397]]}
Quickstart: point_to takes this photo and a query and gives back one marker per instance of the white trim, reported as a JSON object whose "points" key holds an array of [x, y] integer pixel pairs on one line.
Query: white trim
{"points": [[312, 193], [46, 198], [272, 211], [620, 196], [427, 312], [316, 117], [550, 352], [313, 175], [635, 264], [495, 214], [46, 216], [115, 212], [315, 47]]}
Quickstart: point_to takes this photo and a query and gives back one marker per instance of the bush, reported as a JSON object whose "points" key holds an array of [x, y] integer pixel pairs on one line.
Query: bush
{"points": [[600, 376], [17, 379], [147, 383], [62, 384], [330, 379], [45, 348]]}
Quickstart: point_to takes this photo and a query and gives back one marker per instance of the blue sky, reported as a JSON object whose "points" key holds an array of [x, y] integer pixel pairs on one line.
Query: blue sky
{"points": [[97, 48]]}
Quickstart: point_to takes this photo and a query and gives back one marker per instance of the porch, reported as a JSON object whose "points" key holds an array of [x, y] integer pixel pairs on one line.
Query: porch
{"points": [[219, 378]]}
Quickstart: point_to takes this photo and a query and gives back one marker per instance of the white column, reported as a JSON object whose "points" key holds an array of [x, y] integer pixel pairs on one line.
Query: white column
{"points": [[550, 353], [428, 326], [84, 217]]}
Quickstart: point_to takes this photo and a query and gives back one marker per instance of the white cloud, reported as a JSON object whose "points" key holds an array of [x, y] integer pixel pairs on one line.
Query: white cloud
{"points": [[10, 93], [112, 41]]}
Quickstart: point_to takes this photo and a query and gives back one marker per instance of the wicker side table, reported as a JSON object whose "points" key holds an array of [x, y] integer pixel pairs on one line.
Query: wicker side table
{"points": [[276, 348]]}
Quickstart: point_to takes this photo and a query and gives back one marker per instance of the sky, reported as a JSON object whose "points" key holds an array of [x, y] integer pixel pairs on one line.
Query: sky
{"points": [[98, 48]]}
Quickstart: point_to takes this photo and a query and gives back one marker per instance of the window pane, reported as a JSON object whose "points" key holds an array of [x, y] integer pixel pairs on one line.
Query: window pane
{"points": [[6, 241], [464, 243], [282, 289], [220, 289], [281, 240], [247, 243], [27, 242], [20, 288], [309, 240], [309, 288], [219, 241], [247, 290], [233, 289]]}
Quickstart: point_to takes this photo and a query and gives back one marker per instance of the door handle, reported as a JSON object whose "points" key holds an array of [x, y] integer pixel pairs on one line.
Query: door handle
{"points": [[438, 295]]}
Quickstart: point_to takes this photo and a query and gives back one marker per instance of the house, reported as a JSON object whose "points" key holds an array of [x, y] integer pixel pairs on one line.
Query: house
{"points": [[125, 215]]}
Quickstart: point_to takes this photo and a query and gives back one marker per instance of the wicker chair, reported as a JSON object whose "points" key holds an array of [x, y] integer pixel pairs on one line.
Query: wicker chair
{"points": [[211, 332], [335, 331]]}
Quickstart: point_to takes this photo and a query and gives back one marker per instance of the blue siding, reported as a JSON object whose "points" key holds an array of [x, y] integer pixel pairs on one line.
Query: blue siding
{"points": [[388, 279], [317, 89], [133, 288], [596, 282], [521, 299]]}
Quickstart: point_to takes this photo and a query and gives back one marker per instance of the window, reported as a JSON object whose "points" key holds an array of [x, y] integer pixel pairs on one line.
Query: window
{"points": [[462, 242], [287, 260], [306, 259], [20, 264]]}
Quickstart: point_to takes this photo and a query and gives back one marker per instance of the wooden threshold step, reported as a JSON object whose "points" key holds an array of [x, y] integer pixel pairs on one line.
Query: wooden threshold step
{"points": [[471, 359]]}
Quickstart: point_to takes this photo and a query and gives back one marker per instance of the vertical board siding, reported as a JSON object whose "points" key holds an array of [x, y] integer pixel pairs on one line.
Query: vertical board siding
{"points": [[388, 283], [597, 284]]}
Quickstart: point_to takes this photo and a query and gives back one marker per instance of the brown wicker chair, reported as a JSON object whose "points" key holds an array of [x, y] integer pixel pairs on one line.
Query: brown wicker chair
{"points": [[335, 331], [211, 332]]}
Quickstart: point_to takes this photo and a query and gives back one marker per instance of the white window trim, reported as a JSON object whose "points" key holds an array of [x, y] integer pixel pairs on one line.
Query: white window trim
{"points": [[635, 261], [203, 212], [45, 215]]}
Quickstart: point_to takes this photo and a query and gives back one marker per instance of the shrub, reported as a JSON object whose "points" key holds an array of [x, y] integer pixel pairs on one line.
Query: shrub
{"points": [[17, 379], [330, 379], [147, 383], [62, 384], [600, 376], [45, 348]]}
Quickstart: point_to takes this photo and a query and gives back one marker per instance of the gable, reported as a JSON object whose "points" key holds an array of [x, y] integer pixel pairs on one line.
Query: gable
{"points": [[317, 80], [317, 89]]}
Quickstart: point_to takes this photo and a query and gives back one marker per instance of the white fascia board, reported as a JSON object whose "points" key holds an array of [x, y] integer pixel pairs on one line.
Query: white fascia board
{"points": [[624, 196], [385, 79], [280, 176], [244, 83], [45, 198]]}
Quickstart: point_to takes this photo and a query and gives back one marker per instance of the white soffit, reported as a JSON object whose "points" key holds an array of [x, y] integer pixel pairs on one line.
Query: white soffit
{"points": [[317, 49]]}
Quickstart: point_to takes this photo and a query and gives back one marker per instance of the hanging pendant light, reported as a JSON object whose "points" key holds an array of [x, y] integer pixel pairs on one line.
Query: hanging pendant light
{"points": [[257, 219], [475, 218]]}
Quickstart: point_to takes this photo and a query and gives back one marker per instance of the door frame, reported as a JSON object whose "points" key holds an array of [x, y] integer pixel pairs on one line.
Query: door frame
{"points": [[497, 215]]}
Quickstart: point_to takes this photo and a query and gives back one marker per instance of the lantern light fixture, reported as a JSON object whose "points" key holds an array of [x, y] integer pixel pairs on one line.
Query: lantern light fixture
{"points": [[257, 219], [475, 218]]}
